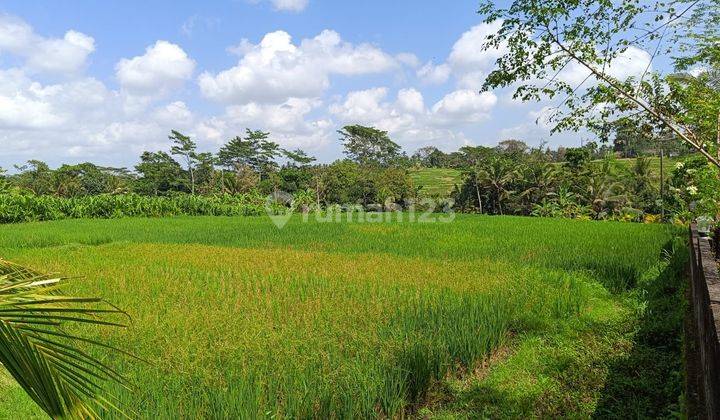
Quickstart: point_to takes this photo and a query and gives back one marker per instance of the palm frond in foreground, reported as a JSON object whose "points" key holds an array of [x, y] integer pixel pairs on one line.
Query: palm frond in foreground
{"points": [[47, 361]]}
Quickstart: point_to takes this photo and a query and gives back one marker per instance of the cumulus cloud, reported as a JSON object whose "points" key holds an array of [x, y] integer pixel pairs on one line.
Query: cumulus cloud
{"points": [[467, 62], [464, 106], [467, 54], [163, 67], [79, 118], [276, 69], [408, 59], [27, 104], [66, 55], [408, 119], [289, 123], [411, 100], [174, 113], [430, 73], [535, 129]]}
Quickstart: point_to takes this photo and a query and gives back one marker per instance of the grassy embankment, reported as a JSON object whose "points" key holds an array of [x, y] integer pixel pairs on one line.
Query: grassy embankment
{"points": [[439, 182], [493, 316]]}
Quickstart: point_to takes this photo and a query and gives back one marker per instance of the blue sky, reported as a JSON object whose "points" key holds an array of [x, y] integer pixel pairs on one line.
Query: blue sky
{"points": [[103, 81]]}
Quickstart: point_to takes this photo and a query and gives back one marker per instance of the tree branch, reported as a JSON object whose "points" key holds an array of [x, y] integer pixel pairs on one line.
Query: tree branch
{"points": [[671, 125]]}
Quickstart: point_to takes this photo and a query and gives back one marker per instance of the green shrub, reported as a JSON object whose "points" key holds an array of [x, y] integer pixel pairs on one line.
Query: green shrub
{"points": [[30, 208]]}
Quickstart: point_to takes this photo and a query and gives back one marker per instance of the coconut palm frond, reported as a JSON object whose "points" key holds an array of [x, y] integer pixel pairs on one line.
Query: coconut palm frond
{"points": [[47, 362]]}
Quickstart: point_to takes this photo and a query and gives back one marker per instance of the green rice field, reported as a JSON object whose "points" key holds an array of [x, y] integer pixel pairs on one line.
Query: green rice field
{"points": [[436, 182], [479, 317]]}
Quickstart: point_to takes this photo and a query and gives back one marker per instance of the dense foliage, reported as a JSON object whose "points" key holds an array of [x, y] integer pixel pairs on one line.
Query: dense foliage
{"points": [[511, 178], [609, 188], [25, 208]]}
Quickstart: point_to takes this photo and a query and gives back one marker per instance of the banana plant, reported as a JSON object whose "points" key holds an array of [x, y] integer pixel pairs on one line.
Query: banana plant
{"points": [[52, 365]]}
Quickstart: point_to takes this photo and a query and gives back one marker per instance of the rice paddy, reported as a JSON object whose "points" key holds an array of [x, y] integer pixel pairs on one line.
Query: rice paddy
{"points": [[484, 316]]}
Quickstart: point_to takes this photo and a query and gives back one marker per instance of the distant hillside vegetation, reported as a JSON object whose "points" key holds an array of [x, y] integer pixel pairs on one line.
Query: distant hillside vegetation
{"points": [[435, 181]]}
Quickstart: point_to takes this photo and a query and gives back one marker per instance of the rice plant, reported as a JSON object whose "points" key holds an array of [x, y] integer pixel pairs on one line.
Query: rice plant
{"points": [[331, 320]]}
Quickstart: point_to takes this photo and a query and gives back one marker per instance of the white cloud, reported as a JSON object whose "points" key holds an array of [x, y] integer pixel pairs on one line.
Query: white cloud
{"points": [[411, 100], [173, 114], [197, 22], [25, 112], [27, 104], [15, 34], [464, 106], [289, 123], [467, 54], [362, 106], [276, 69], [467, 62], [633, 62], [409, 121], [408, 59], [285, 5], [66, 55], [290, 5], [535, 129], [79, 119], [163, 67], [430, 73]]}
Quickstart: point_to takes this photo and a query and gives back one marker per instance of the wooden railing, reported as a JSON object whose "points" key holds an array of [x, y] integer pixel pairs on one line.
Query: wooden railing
{"points": [[703, 346]]}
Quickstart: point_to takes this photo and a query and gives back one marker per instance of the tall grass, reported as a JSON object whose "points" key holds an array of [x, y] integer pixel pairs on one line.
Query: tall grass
{"points": [[615, 254], [325, 320]]}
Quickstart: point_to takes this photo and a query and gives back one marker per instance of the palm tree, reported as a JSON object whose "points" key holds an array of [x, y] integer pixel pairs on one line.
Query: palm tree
{"points": [[45, 360], [497, 174], [540, 180], [641, 183], [603, 192]]}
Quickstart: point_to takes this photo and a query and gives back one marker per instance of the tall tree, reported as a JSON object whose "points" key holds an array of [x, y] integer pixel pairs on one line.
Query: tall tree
{"points": [[540, 40], [185, 147], [513, 147], [298, 157], [159, 173], [35, 176], [496, 175], [368, 145], [475, 155], [255, 151], [204, 171], [89, 179], [429, 156], [267, 150]]}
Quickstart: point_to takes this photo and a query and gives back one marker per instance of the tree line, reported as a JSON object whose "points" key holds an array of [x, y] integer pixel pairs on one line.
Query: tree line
{"points": [[374, 170], [510, 178]]}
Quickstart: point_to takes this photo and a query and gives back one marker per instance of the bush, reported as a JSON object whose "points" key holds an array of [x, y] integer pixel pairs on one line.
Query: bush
{"points": [[27, 208]]}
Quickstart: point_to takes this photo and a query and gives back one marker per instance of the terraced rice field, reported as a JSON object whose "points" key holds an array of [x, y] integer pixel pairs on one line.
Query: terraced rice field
{"points": [[436, 182], [483, 316]]}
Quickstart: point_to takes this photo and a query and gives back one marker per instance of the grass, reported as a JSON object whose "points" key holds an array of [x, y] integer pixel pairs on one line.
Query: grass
{"points": [[668, 165], [436, 182], [490, 316]]}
